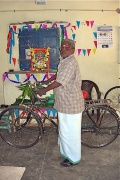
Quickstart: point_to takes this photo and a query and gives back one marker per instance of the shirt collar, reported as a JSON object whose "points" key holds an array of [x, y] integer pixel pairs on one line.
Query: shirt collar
{"points": [[72, 55]]}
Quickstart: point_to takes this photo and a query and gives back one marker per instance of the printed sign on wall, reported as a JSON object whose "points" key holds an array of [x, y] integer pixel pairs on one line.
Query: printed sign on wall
{"points": [[104, 37]]}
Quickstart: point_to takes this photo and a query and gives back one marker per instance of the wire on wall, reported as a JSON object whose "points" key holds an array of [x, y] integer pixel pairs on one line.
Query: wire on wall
{"points": [[66, 10]]}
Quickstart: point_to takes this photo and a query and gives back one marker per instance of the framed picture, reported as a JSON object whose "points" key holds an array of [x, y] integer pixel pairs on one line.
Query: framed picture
{"points": [[40, 59]]}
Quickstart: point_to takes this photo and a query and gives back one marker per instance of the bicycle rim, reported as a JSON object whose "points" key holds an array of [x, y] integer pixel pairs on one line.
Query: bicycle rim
{"points": [[23, 127], [100, 126], [114, 95]]}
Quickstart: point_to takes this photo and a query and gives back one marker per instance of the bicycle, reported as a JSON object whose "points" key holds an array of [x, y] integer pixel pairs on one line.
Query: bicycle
{"points": [[100, 123], [114, 94]]}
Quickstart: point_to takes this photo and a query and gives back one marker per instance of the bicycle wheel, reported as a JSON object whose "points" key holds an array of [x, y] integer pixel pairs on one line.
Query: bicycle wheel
{"points": [[100, 126], [25, 129], [114, 95]]}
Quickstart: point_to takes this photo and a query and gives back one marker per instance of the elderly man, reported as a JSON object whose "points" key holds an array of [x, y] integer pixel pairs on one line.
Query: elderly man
{"points": [[69, 103]]}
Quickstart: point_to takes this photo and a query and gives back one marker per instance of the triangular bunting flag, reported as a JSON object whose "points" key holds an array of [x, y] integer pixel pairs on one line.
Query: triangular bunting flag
{"points": [[36, 26], [23, 113], [73, 36], [87, 22], [27, 75], [16, 112], [61, 26], [44, 26], [78, 23], [84, 51], [54, 25], [94, 51], [36, 111], [30, 26], [51, 74], [95, 42], [40, 26], [38, 76], [17, 77], [54, 112], [91, 23], [43, 110], [74, 27], [88, 51], [4, 77], [14, 61], [79, 51], [47, 77], [65, 33], [95, 34], [48, 112], [14, 27]]}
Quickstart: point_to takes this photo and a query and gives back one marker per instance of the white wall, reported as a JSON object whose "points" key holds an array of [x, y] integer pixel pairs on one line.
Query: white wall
{"points": [[102, 67]]}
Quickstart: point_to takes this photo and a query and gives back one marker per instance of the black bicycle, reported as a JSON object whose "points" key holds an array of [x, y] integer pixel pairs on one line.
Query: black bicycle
{"points": [[114, 94], [100, 122]]}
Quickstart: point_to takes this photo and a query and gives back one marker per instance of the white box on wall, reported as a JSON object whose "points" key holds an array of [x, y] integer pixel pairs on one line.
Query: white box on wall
{"points": [[40, 2]]}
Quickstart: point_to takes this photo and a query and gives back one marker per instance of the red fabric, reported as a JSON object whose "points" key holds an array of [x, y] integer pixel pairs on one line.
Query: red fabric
{"points": [[85, 94]]}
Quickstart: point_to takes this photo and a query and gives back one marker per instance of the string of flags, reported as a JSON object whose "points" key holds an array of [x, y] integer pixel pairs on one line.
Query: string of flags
{"points": [[50, 112], [28, 77], [83, 50], [14, 30]]}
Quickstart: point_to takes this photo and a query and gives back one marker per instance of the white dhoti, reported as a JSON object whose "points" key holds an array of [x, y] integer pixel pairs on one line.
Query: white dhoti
{"points": [[70, 136]]}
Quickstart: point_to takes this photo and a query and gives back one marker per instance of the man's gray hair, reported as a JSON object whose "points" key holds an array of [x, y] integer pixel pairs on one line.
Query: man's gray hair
{"points": [[71, 42]]}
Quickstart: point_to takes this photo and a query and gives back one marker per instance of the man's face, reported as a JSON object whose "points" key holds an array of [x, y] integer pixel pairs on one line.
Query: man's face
{"points": [[66, 50]]}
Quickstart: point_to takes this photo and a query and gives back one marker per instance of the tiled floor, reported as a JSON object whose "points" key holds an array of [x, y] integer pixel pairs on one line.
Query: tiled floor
{"points": [[42, 162]]}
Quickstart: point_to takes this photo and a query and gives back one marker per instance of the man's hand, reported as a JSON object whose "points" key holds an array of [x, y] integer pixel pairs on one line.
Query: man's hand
{"points": [[42, 92]]}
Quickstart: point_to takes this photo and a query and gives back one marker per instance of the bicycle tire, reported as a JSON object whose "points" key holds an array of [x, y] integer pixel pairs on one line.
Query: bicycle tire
{"points": [[25, 129], [100, 126], [114, 95]]}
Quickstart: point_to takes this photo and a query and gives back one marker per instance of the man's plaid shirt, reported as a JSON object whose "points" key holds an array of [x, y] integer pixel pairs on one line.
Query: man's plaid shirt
{"points": [[68, 97]]}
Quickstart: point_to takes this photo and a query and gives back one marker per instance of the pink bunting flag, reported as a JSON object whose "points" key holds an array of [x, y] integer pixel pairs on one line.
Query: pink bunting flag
{"points": [[88, 51], [87, 22], [95, 42], [65, 33], [91, 23], [4, 77], [79, 51], [54, 25], [44, 26], [43, 110], [51, 74], [14, 61], [30, 26]]}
